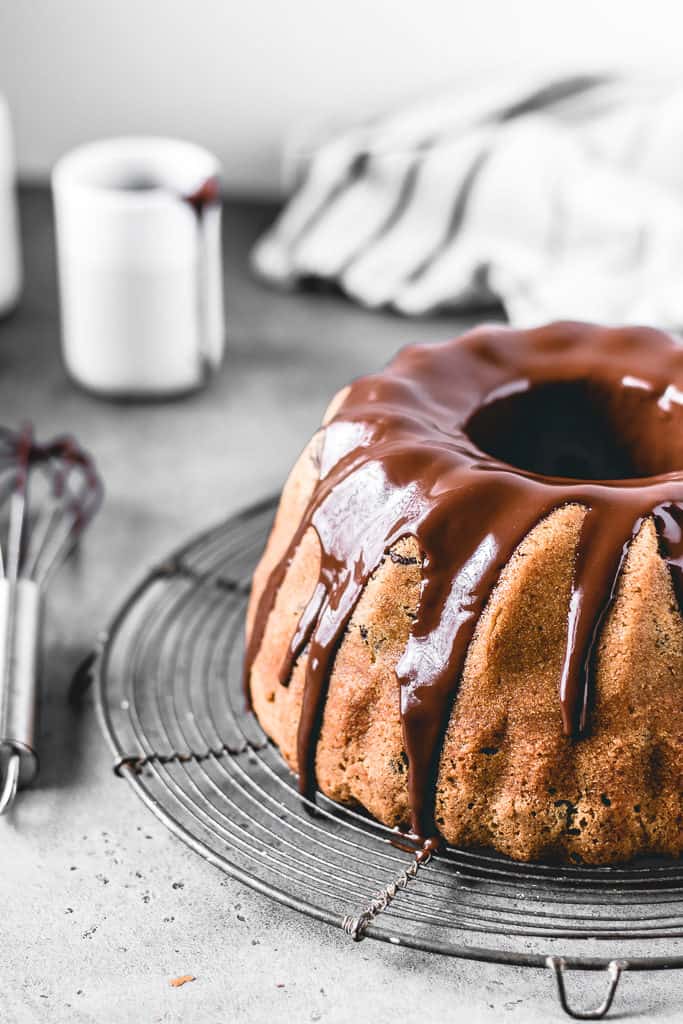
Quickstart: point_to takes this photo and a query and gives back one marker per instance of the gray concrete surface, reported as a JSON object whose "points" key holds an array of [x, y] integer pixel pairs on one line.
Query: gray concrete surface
{"points": [[99, 905]]}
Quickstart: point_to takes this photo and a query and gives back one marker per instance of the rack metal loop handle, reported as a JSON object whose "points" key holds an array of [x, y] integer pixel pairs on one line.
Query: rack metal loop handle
{"points": [[10, 783], [558, 966]]}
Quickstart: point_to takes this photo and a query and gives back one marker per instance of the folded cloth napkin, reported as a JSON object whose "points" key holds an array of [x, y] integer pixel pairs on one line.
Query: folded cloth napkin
{"points": [[556, 198]]}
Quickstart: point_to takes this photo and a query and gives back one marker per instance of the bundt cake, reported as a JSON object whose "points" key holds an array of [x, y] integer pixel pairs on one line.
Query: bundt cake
{"points": [[467, 615]]}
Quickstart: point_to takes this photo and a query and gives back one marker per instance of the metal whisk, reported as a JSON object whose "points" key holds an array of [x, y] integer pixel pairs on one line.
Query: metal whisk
{"points": [[48, 494]]}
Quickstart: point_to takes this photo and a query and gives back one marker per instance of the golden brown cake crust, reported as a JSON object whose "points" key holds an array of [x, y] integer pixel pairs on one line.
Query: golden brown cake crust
{"points": [[508, 778]]}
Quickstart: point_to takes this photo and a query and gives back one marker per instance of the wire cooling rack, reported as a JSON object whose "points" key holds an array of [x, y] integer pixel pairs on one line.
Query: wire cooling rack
{"points": [[170, 701]]}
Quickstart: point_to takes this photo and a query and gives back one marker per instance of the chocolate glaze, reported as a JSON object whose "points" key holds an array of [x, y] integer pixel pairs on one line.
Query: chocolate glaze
{"points": [[423, 449]]}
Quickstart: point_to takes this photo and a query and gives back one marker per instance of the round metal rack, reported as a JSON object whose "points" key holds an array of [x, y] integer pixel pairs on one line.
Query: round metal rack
{"points": [[170, 701]]}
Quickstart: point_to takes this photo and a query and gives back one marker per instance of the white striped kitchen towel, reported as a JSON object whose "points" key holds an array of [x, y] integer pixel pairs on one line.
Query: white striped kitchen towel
{"points": [[557, 198]]}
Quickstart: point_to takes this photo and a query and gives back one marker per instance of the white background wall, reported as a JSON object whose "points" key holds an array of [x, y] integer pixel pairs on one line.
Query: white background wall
{"points": [[241, 75]]}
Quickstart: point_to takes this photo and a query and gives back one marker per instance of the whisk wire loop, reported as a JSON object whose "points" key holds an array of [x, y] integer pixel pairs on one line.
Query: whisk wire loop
{"points": [[49, 493]]}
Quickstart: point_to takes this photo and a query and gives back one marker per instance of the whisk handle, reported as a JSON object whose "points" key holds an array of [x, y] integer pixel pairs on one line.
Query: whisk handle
{"points": [[21, 608]]}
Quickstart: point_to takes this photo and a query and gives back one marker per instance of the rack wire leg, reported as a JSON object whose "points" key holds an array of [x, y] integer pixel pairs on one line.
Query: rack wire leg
{"points": [[355, 926], [558, 967]]}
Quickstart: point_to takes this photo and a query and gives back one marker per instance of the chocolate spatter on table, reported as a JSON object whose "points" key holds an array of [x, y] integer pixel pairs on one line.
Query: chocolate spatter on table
{"points": [[466, 446]]}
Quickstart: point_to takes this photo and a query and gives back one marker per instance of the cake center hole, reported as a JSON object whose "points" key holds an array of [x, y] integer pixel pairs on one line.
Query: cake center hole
{"points": [[568, 429]]}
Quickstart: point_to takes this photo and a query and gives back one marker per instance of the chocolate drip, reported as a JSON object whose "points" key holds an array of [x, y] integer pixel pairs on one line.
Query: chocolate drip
{"points": [[426, 450], [669, 523], [208, 194]]}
